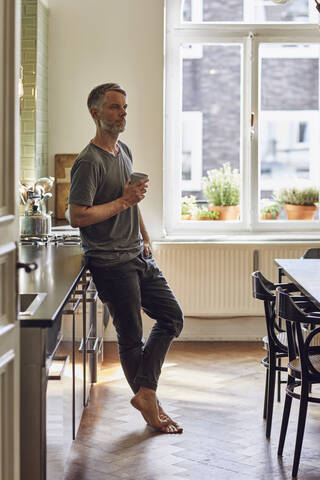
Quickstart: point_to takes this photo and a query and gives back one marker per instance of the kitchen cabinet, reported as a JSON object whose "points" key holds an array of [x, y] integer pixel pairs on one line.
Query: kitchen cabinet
{"points": [[62, 277]]}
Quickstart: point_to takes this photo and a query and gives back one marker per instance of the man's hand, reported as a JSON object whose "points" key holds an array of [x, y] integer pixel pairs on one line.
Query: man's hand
{"points": [[147, 248], [134, 193]]}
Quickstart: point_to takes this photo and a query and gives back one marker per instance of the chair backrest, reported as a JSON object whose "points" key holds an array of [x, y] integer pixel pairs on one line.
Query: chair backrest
{"points": [[299, 342], [262, 288], [312, 253]]}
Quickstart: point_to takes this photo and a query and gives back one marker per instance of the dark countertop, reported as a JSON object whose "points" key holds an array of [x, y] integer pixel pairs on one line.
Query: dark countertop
{"points": [[59, 270], [305, 273]]}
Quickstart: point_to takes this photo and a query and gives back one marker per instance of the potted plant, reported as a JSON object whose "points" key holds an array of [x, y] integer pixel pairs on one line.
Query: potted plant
{"points": [[188, 207], [300, 203], [204, 214], [215, 215], [269, 209], [221, 188]]}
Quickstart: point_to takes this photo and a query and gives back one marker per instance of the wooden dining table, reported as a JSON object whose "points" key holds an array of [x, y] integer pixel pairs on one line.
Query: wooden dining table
{"points": [[305, 274]]}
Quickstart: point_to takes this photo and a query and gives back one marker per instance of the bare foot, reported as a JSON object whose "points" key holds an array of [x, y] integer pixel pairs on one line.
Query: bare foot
{"points": [[146, 402], [171, 427], [164, 416]]}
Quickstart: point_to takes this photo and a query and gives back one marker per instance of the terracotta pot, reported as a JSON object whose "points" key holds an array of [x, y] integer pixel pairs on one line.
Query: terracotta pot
{"points": [[268, 216], [186, 217], [300, 212], [226, 213], [204, 218]]}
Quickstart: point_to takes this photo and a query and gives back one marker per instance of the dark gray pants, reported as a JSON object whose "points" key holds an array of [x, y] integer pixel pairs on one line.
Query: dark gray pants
{"points": [[127, 287]]}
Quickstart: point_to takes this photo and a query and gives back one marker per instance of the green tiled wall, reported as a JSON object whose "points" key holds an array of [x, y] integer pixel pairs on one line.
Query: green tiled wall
{"points": [[34, 105]]}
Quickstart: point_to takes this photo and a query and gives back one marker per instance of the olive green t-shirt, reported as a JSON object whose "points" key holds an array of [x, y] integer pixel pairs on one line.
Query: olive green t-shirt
{"points": [[98, 177]]}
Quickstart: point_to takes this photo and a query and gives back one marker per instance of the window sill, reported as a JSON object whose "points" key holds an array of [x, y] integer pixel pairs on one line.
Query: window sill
{"points": [[258, 238]]}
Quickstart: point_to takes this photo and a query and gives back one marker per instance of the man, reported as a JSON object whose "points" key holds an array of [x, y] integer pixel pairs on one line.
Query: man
{"points": [[117, 248]]}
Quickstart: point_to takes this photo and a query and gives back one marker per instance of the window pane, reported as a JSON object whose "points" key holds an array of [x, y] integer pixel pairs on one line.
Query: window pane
{"points": [[293, 11], [251, 11], [289, 118], [209, 11], [210, 113]]}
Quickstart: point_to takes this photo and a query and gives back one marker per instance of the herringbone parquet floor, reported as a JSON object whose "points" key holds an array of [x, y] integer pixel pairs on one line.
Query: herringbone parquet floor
{"points": [[215, 390]]}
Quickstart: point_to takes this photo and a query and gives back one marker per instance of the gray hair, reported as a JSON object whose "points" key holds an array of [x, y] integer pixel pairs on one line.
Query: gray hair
{"points": [[96, 95]]}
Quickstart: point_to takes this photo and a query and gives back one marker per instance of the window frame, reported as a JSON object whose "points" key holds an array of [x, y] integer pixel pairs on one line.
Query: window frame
{"points": [[249, 36]]}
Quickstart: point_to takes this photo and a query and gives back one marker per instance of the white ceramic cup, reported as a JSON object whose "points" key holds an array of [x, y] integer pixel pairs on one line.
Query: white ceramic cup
{"points": [[135, 176]]}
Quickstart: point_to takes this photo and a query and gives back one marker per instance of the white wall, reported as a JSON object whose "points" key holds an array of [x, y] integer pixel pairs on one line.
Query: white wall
{"points": [[98, 41]]}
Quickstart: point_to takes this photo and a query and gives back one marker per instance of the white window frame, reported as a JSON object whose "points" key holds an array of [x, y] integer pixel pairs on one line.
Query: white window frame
{"points": [[303, 35], [196, 11], [193, 51], [249, 36]]}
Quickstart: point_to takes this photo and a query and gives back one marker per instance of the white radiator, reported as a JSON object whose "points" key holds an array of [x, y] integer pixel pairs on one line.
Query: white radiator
{"points": [[215, 279], [267, 254]]}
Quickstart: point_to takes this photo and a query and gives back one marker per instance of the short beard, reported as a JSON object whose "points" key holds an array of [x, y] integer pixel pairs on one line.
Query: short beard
{"points": [[112, 130]]}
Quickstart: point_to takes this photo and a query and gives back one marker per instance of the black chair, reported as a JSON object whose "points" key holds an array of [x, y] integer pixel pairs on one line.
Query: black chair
{"points": [[275, 342], [313, 252], [303, 366]]}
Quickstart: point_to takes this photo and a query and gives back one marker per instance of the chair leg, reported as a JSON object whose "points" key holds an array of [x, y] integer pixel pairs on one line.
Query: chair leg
{"points": [[279, 381], [266, 394], [271, 386], [284, 423], [301, 426]]}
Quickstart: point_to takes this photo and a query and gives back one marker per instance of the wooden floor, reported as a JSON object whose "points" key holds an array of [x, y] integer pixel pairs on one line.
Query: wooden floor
{"points": [[215, 390]]}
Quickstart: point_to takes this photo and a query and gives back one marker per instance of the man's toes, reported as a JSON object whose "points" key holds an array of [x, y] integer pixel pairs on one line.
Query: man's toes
{"points": [[171, 428], [178, 429], [167, 429], [172, 422]]}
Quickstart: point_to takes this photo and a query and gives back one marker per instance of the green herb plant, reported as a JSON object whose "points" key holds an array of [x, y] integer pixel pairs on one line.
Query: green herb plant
{"points": [[188, 205], [269, 208], [221, 186], [203, 213], [298, 196]]}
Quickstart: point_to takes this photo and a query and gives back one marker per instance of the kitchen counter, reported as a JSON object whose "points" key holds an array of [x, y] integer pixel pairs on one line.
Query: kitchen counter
{"points": [[43, 447], [59, 270]]}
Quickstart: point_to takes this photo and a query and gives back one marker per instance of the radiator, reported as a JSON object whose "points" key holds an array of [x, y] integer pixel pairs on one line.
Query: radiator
{"points": [[214, 280], [268, 253]]}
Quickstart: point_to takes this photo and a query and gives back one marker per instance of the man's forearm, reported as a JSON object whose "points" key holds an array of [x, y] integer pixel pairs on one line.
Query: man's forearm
{"points": [[83, 216], [143, 229], [97, 213]]}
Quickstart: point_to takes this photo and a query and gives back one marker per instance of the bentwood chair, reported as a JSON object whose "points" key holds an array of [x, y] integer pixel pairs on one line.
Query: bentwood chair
{"points": [[303, 366], [313, 252], [275, 342]]}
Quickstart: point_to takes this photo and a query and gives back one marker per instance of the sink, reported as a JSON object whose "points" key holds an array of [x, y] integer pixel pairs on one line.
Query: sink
{"points": [[29, 302]]}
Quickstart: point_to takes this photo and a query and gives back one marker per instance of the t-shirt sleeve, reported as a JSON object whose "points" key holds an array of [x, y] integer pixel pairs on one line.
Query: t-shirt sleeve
{"points": [[127, 150], [84, 183]]}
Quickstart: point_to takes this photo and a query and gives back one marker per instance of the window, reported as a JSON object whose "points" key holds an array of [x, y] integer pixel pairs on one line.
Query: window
{"points": [[242, 92], [250, 11], [289, 117]]}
